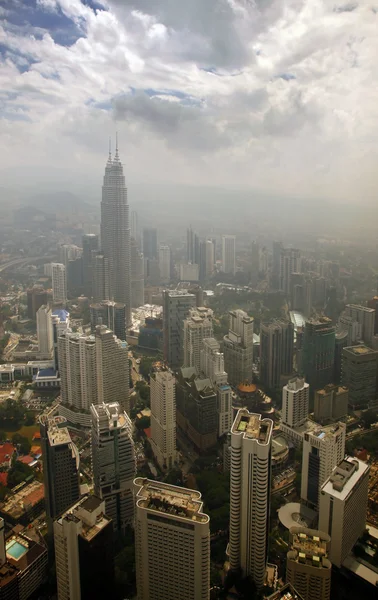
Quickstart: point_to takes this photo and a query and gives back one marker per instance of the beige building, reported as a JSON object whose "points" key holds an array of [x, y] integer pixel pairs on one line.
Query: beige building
{"points": [[308, 568], [45, 332], [112, 360], [163, 415], [172, 543], [197, 327], [238, 348], [59, 283], [331, 403], [295, 401], [77, 368]]}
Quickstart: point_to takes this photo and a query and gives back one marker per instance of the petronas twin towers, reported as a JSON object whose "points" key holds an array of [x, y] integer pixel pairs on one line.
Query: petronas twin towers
{"points": [[115, 232]]}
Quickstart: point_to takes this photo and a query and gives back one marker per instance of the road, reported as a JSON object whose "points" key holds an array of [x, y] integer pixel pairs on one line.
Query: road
{"points": [[16, 262]]}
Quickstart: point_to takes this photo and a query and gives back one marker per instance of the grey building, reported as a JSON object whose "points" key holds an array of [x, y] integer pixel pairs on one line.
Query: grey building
{"points": [[150, 247], [176, 307], [90, 245], [276, 351], [330, 403], [112, 364], [100, 277], [238, 348], [137, 275], [359, 375], [111, 314]]}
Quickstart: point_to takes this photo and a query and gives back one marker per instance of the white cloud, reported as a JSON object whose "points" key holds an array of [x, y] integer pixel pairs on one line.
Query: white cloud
{"points": [[272, 94]]}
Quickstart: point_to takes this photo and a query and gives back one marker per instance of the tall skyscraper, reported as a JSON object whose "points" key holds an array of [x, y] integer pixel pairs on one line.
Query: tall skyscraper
{"points": [[45, 332], [137, 275], [295, 402], [36, 297], [172, 542], [59, 282], [206, 259], [113, 461], [100, 275], [112, 363], [134, 225], [331, 403], [318, 353], [228, 254], [277, 247], [192, 246], [150, 247], [83, 538], [176, 306], [343, 507], [111, 314], [323, 449], [61, 468], [251, 439], [238, 348], [276, 351], [359, 374], [290, 262], [212, 366], [77, 368], [197, 327], [365, 316], [115, 233], [60, 323], [90, 246], [308, 568], [165, 263], [163, 415]]}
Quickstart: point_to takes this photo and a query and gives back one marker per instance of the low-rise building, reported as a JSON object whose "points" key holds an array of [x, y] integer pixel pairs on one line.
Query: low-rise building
{"points": [[25, 505]]}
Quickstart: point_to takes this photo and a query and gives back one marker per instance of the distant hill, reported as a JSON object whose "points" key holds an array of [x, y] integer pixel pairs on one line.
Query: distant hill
{"points": [[57, 202]]}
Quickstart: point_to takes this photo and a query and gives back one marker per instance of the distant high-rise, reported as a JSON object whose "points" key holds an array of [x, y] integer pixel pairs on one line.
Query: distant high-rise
{"points": [[359, 374], [150, 247], [238, 348], [192, 246], [172, 543], [290, 262], [115, 233], [111, 314], [90, 245], [318, 353], [295, 402], [137, 275], [61, 468], [36, 297], [59, 283], [113, 459], [77, 368], [228, 254], [276, 351], [45, 332], [343, 506], [100, 277], [163, 415], [134, 225], [212, 365], [251, 439], [112, 363], [84, 554], [373, 303], [308, 568], [331, 403], [277, 247], [323, 449], [60, 322], [197, 327], [176, 306], [365, 316], [165, 263]]}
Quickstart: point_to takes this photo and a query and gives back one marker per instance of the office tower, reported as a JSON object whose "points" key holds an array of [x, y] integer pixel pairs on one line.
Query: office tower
{"points": [[45, 332], [373, 303], [341, 342], [189, 272], [276, 351], [238, 348], [137, 275], [290, 262], [111, 314], [59, 282], [251, 439], [350, 327], [67, 252], [165, 263], [206, 259], [295, 402], [150, 247], [84, 556], [36, 297], [172, 542], [212, 366], [320, 292], [359, 375], [365, 317], [228, 254], [323, 449], [74, 271], [297, 291], [77, 369], [192, 247], [308, 568], [112, 362], [197, 327], [163, 415], [308, 298], [134, 225], [113, 460], [90, 247], [115, 233], [343, 507], [60, 323], [331, 403], [61, 468], [254, 267], [100, 274], [318, 353], [176, 306], [277, 248]]}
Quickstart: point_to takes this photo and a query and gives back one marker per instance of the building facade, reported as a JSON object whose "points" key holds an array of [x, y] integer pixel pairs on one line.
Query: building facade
{"points": [[238, 348], [137, 275], [163, 415], [359, 374], [228, 254], [45, 332], [197, 327], [59, 283], [295, 402], [176, 307], [276, 351], [77, 368], [318, 353], [109, 313], [100, 277], [90, 246], [365, 316], [165, 263], [112, 364], [212, 366], [290, 262], [331, 403]]}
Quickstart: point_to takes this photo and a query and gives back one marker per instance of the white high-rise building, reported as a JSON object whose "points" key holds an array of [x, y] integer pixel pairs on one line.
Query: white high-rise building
{"points": [[295, 402], [60, 319], [238, 348], [251, 438], [77, 368], [365, 317], [59, 282], [137, 275], [163, 415], [343, 507], [112, 362], [290, 262], [228, 254], [45, 332], [212, 365], [197, 327], [176, 307], [67, 252], [115, 233], [172, 543], [165, 263], [113, 459], [323, 449]]}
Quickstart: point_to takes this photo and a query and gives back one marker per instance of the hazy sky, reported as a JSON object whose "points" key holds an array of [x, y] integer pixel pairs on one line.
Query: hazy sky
{"points": [[279, 95]]}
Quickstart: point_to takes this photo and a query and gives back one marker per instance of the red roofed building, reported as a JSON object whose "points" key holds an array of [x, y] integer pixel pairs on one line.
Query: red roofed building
{"points": [[6, 452], [26, 459], [147, 432], [4, 479]]}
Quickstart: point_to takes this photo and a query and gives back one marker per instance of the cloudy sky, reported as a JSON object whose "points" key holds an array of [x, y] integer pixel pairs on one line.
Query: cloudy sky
{"points": [[273, 95]]}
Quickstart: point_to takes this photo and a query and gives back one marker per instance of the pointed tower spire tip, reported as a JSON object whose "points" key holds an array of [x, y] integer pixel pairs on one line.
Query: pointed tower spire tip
{"points": [[116, 157], [110, 148]]}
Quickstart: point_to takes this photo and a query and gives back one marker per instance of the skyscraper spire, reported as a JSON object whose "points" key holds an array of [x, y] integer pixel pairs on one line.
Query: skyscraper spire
{"points": [[110, 150], [116, 156]]}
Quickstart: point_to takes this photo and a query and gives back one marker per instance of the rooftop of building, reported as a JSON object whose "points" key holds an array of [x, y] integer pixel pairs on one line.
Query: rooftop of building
{"points": [[92, 524], [360, 307], [360, 350], [279, 447], [62, 314], [345, 477], [296, 383], [247, 388], [22, 551], [309, 546], [319, 431], [178, 293], [111, 413], [107, 303], [27, 497], [252, 426], [293, 514], [332, 387], [58, 435], [170, 499], [287, 592]]}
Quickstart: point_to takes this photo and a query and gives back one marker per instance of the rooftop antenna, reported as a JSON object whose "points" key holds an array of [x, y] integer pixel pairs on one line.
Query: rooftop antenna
{"points": [[110, 148], [116, 157]]}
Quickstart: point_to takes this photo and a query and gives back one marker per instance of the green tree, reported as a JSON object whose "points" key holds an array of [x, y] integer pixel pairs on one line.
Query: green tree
{"points": [[142, 423], [22, 443], [18, 473]]}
